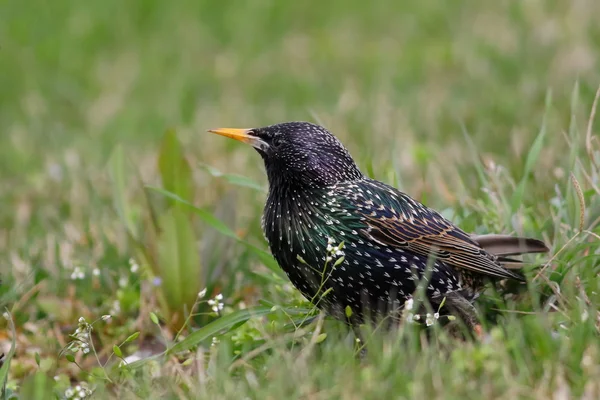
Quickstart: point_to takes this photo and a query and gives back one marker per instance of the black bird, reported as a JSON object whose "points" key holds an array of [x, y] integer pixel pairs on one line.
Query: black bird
{"points": [[318, 198]]}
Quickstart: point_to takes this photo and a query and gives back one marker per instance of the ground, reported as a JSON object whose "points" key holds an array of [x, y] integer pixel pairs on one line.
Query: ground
{"points": [[118, 207]]}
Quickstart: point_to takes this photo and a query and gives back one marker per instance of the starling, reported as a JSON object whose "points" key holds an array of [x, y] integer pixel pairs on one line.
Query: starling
{"points": [[318, 199]]}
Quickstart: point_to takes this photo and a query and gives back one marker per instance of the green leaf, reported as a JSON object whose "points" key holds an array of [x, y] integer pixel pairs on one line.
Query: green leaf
{"points": [[132, 337], [234, 179], [116, 167], [222, 324], [321, 337], [37, 358], [338, 261], [175, 171], [218, 225], [36, 387], [178, 261], [205, 215], [348, 312], [9, 356], [154, 318], [117, 351], [70, 358]]}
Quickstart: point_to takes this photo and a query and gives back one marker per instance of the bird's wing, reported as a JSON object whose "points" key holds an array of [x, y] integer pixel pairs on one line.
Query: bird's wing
{"points": [[392, 218]]}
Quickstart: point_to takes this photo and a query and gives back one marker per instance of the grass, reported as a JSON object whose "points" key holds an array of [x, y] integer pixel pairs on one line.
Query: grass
{"points": [[481, 110]]}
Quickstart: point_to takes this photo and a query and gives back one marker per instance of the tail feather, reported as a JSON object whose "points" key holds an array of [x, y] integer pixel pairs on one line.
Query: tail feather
{"points": [[505, 245]]}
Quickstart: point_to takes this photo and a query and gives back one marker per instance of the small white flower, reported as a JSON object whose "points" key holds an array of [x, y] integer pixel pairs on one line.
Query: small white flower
{"points": [[329, 248], [106, 317], [215, 341], [330, 241], [133, 266], [96, 272], [328, 259], [77, 274], [339, 253], [81, 320], [436, 315], [85, 350], [69, 393], [417, 317], [123, 281], [409, 304], [217, 307], [219, 297], [77, 388], [429, 320], [202, 293]]}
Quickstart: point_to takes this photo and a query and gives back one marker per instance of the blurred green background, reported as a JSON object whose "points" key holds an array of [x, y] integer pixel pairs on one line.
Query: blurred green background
{"points": [[419, 91], [82, 76]]}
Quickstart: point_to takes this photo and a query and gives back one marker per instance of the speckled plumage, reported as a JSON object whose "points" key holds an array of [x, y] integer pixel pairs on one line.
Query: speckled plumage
{"points": [[318, 198]]}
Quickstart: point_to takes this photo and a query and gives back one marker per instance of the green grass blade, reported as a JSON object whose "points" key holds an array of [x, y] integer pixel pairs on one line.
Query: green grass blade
{"points": [[234, 179], [9, 356], [116, 168], [532, 157], [218, 225], [217, 326]]}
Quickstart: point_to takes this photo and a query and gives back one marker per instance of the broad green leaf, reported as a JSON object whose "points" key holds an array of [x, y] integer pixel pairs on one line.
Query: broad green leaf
{"points": [[175, 171], [117, 167], [36, 387], [178, 261], [217, 326]]}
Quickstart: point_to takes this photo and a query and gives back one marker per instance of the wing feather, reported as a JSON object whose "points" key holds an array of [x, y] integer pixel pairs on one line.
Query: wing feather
{"points": [[394, 219]]}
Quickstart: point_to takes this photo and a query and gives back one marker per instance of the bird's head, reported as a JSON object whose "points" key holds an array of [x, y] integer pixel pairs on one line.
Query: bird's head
{"points": [[298, 153]]}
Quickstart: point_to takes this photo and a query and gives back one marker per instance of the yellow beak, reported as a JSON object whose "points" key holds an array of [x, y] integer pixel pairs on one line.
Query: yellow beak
{"points": [[237, 134], [242, 135]]}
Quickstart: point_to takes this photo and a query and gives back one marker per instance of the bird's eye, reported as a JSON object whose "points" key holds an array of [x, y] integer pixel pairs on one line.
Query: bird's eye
{"points": [[276, 141]]}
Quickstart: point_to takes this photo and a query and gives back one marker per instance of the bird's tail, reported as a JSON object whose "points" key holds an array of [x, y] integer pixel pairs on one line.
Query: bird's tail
{"points": [[504, 246]]}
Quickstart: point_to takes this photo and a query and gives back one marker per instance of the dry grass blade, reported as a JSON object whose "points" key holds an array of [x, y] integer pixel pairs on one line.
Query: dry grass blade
{"points": [[541, 271], [581, 199]]}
